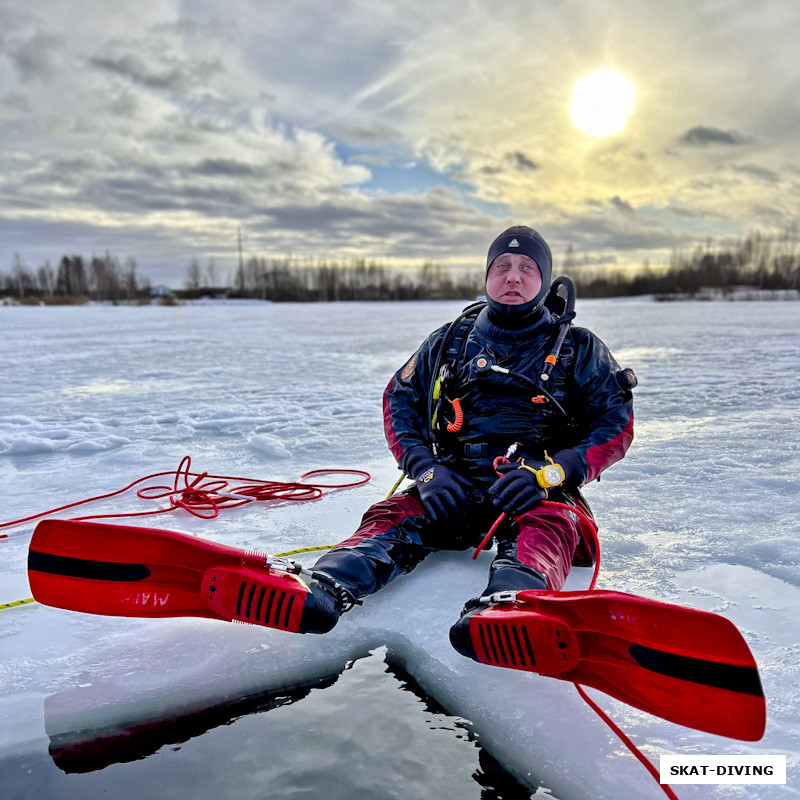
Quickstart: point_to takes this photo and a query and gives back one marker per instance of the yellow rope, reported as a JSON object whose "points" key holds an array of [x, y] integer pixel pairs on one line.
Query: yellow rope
{"points": [[304, 550], [16, 603], [394, 488]]}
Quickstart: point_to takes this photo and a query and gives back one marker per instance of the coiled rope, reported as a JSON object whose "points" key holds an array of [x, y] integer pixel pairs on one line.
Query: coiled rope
{"points": [[203, 494]]}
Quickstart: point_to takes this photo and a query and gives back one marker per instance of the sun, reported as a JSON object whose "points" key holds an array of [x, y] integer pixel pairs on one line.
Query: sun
{"points": [[602, 102]]}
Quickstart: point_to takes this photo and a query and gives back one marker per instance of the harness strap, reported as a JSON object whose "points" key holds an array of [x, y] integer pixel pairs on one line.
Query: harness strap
{"points": [[451, 346]]}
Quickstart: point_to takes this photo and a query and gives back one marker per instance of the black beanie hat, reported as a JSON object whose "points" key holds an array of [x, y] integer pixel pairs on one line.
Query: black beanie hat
{"points": [[525, 240]]}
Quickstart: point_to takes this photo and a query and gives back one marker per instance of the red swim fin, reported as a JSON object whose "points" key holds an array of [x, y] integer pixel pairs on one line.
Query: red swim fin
{"points": [[687, 666], [125, 571]]}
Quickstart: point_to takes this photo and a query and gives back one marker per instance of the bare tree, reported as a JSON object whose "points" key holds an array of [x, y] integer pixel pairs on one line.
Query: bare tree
{"points": [[23, 281], [71, 277], [211, 272], [47, 279], [130, 278], [193, 276]]}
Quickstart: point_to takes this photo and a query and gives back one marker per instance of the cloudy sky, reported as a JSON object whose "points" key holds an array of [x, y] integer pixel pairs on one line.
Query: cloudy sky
{"points": [[400, 130]]}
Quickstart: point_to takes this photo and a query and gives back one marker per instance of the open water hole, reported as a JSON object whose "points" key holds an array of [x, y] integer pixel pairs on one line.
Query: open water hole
{"points": [[369, 733]]}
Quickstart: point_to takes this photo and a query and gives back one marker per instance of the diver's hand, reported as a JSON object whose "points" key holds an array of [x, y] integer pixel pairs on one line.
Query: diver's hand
{"points": [[517, 490], [444, 493]]}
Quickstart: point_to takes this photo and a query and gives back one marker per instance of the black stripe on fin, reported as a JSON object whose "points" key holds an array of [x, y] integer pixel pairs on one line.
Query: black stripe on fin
{"points": [[85, 568], [698, 670]]}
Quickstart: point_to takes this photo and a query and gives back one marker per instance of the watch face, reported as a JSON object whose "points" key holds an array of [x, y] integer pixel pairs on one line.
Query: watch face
{"points": [[553, 474]]}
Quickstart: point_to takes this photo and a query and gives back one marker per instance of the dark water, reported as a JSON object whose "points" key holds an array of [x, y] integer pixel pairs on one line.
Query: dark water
{"points": [[370, 733]]}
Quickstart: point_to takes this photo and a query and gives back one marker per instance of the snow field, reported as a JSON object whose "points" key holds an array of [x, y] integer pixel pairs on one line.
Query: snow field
{"points": [[704, 511]]}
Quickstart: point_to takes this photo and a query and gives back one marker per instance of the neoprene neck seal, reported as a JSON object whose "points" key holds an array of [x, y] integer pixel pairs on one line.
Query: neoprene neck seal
{"points": [[515, 317], [513, 327]]}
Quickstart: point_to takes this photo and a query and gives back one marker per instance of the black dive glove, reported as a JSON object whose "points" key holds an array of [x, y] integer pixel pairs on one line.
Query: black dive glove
{"points": [[518, 490], [443, 492]]}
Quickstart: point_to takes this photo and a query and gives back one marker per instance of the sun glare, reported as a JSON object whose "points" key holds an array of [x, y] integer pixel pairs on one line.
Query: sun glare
{"points": [[602, 102]]}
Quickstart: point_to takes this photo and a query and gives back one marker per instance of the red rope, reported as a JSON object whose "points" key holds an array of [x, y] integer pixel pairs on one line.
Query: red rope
{"points": [[488, 538], [203, 495], [627, 742], [573, 509]]}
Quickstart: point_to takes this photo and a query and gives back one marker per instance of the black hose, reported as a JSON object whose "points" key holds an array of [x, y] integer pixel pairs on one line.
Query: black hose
{"points": [[563, 323]]}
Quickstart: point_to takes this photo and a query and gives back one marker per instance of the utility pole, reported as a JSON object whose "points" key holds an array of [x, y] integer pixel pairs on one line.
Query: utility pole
{"points": [[240, 275]]}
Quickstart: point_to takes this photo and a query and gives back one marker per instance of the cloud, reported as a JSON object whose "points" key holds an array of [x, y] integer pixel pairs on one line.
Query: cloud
{"points": [[680, 210], [435, 225], [163, 235], [622, 206], [522, 162], [701, 136], [373, 134], [754, 171], [224, 167], [36, 58], [603, 233], [170, 74], [124, 103]]}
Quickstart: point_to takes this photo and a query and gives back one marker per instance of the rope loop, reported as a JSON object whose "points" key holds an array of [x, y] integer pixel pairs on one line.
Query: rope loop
{"points": [[203, 495]]}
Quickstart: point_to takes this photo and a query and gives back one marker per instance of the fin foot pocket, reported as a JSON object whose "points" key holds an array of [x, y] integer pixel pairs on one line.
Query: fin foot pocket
{"points": [[275, 600], [516, 639]]}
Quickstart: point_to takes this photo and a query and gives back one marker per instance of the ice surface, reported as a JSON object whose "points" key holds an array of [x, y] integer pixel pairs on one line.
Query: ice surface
{"points": [[704, 511]]}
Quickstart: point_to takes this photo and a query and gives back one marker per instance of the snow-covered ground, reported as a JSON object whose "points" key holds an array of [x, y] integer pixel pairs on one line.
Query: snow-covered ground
{"points": [[704, 512]]}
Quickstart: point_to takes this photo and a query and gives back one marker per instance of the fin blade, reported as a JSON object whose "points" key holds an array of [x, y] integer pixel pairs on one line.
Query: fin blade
{"points": [[706, 708], [118, 598], [118, 570], [127, 544]]}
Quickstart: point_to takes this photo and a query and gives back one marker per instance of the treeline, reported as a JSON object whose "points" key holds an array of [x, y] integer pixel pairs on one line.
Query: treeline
{"points": [[756, 261], [276, 279], [302, 280], [76, 279]]}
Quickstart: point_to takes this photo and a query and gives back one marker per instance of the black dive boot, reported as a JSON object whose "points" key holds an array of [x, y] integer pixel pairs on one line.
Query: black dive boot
{"points": [[326, 601], [460, 637]]}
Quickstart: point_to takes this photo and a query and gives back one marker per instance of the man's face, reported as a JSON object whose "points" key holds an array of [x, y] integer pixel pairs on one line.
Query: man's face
{"points": [[513, 279]]}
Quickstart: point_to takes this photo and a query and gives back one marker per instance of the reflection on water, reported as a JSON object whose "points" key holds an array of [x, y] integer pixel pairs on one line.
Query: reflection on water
{"points": [[78, 752], [369, 733]]}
